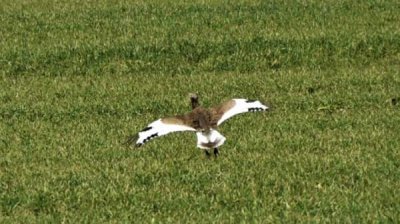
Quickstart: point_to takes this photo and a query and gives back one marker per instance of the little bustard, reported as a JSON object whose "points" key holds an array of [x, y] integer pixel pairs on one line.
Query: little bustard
{"points": [[201, 120]]}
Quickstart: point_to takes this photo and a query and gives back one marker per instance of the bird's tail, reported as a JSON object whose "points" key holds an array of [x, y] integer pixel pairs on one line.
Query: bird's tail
{"points": [[212, 139]]}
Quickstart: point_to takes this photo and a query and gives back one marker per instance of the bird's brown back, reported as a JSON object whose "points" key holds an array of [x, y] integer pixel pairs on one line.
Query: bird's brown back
{"points": [[201, 119]]}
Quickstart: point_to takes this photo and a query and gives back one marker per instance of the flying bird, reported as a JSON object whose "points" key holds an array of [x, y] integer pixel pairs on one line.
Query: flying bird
{"points": [[200, 120]]}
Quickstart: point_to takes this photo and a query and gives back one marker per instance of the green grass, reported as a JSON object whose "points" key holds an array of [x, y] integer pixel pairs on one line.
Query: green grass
{"points": [[77, 78]]}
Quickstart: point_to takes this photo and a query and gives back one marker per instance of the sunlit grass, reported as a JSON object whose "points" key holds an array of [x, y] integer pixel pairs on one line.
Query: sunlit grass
{"points": [[77, 78]]}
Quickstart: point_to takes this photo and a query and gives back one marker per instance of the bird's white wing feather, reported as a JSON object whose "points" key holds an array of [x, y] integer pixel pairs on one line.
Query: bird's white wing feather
{"points": [[238, 106], [161, 127]]}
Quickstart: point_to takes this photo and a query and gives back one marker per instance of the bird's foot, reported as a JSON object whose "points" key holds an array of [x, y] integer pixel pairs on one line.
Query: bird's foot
{"points": [[207, 153], [216, 152]]}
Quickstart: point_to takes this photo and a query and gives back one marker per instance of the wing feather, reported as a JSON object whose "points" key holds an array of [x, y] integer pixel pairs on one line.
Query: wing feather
{"points": [[161, 127], [236, 106]]}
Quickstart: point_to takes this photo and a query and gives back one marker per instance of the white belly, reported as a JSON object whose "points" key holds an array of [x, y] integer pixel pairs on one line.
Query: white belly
{"points": [[210, 140]]}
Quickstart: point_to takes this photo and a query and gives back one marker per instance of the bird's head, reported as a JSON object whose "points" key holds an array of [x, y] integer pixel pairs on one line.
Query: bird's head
{"points": [[194, 100]]}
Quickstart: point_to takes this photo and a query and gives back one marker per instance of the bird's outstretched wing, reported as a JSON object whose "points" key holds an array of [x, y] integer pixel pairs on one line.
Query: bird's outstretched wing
{"points": [[236, 106], [158, 128]]}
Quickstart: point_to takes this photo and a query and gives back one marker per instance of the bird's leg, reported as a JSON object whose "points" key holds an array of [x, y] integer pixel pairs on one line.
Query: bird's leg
{"points": [[216, 152], [207, 153]]}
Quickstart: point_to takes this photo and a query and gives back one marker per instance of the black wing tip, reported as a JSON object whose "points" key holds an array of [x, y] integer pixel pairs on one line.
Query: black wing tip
{"points": [[254, 109], [263, 103], [146, 129]]}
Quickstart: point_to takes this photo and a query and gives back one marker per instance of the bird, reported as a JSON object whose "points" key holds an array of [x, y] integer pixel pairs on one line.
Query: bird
{"points": [[200, 120]]}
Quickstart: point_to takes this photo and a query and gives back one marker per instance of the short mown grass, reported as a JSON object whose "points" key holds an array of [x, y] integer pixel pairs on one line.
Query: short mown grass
{"points": [[77, 78]]}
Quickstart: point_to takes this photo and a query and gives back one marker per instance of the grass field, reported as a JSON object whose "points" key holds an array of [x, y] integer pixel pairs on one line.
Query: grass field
{"points": [[77, 78]]}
